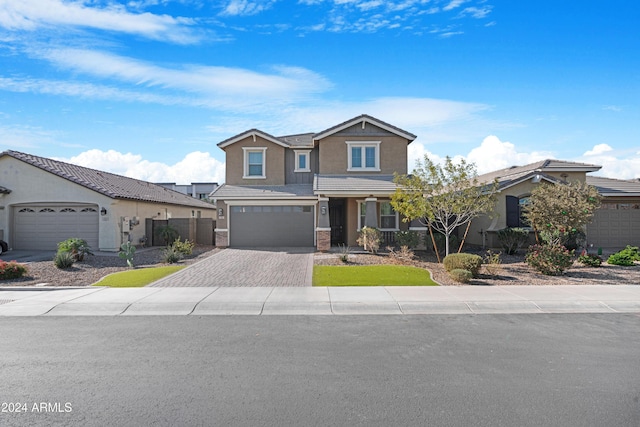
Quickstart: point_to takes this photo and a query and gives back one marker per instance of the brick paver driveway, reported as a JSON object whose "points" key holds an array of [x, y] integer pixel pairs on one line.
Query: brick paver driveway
{"points": [[247, 267]]}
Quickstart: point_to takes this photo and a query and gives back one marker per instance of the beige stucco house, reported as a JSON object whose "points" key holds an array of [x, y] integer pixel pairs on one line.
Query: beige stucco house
{"points": [[615, 225], [312, 189], [44, 201]]}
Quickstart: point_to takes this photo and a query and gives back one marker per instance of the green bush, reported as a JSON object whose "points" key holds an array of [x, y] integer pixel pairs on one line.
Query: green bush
{"points": [[63, 259], [167, 233], [590, 260], [11, 270], [127, 251], [468, 262], [551, 260], [621, 258], [170, 255], [185, 248], [460, 275], [76, 246], [411, 239], [513, 238], [632, 251]]}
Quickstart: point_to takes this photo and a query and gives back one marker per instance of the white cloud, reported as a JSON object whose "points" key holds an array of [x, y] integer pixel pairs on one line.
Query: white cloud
{"points": [[245, 7], [598, 149], [493, 154], [476, 12], [454, 4], [32, 15], [614, 108], [194, 167], [282, 82]]}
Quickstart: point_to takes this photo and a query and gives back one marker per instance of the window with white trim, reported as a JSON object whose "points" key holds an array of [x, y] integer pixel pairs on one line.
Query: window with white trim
{"points": [[388, 217], [303, 157], [254, 162], [363, 156]]}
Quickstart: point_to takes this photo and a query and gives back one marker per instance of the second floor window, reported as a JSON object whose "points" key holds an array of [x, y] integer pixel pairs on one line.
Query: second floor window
{"points": [[302, 160], [254, 162], [363, 156]]}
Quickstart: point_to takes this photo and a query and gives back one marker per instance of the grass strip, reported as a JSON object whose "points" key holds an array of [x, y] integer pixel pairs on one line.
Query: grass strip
{"points": [[371, 275], [138, 277]]}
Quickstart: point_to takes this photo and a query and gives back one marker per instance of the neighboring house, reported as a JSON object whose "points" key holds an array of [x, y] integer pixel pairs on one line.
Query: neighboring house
{"points": [[198, 190], [616, 224], [44, 201], [312, 189]]}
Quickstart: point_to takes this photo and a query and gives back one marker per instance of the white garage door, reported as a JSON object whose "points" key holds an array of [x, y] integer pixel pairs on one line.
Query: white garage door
{"points": [[615, 225], [275, 226], [43, 227]]}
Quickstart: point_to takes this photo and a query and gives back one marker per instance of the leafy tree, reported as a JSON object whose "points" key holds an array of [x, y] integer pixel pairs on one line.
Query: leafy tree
{"points": [[443, 196], [557, 211]]}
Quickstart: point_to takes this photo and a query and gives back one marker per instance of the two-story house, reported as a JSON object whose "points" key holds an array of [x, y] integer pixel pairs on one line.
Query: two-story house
{"points": [[312, 189]]}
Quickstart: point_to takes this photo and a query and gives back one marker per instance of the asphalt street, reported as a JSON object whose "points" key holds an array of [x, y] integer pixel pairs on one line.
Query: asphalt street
{"points": [[437, 370]]}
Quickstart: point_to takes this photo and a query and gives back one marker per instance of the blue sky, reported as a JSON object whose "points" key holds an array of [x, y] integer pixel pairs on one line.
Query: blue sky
{"points": [[147, 88]]}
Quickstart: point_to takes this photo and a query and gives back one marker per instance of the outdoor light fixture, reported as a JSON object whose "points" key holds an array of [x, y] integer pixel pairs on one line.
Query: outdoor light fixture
{"points": [[323, 210], [220, 212], [103, 211]]}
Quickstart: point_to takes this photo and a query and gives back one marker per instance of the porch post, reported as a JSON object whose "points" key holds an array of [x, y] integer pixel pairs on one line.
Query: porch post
{"points": [[323, 230], [371, 215]]}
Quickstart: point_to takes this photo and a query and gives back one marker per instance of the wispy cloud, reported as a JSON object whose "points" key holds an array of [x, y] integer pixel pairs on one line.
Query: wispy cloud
{"points": [[245, 7], [280, 82], [454, 4], [613, 108], [32, 15]]}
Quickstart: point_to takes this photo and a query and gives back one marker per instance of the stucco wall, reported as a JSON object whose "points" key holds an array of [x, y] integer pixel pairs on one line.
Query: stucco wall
{"points": [[235, 163], [334, 154]]}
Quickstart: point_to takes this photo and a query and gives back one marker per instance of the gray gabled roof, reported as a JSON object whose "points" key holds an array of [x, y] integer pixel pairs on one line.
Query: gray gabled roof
{"points": [[610, 187], [4, 190], [354, 184], [109, 184], [366, 119], [290, 191], [309, 139], [515, 174]]}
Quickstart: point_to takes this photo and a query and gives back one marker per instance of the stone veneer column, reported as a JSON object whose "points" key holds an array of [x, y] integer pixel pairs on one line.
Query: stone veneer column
{"points": [[323, 239], [222, 238], [323, 231]]}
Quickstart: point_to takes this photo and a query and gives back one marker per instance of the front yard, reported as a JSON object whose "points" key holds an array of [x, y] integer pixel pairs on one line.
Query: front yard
{"points": [[371, 275]]}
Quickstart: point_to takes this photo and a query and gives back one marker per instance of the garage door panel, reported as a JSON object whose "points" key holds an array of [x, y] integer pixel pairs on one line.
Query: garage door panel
{"points": [[42, 228], [614, 228], [264, 226]]}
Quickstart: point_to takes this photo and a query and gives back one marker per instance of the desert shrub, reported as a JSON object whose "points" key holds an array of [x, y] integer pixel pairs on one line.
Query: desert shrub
{"points": [[571, 240], [632, 251], [370, 238], [590, 260], [512, 239], [344, 253], [621, 258], [11, 270], [551, 260], [410, 239], [171, 255], [440, 240], [468, 262], [167, 233], [460, 275], [76, 246], [127, 251], [63, 259], [185, 248], [492, 263], [404, 255]]}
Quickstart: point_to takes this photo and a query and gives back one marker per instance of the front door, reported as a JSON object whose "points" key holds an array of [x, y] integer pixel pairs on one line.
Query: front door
{"points": [[337, 220]]}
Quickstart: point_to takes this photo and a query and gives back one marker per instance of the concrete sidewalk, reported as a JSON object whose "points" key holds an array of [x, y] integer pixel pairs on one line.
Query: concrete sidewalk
{"points": [[94, 301]]}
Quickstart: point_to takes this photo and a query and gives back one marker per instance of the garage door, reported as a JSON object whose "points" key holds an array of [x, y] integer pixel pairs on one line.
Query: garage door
{"points": [[42, 227], [615, 225], [276, 226]]}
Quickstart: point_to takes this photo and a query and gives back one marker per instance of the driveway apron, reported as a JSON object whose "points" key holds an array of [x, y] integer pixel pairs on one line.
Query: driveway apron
{"points": [[247, 268]]}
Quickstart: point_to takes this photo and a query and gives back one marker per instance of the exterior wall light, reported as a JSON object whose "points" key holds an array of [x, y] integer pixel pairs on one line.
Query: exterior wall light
{"points": [[323, 210], [103, 211]]}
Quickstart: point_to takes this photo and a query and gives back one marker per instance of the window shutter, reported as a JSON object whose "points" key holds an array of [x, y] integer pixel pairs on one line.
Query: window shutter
{"points": [[513, 212]]}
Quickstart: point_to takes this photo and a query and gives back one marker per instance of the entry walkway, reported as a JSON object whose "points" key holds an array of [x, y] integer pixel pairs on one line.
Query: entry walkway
{"points": [[282, 267], [94, 301]]}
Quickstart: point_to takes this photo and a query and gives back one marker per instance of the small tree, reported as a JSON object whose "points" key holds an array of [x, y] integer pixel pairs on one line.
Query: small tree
{"points": [[443, 196], [557, 211]]}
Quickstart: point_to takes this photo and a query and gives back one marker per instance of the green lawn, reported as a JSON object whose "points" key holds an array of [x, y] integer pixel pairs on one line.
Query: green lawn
{"points": [[371, 275], [138, 277]]}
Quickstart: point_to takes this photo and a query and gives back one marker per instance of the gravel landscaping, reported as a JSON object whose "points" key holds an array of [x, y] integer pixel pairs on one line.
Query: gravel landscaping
{"points": [[93, 268], [514, 271]]}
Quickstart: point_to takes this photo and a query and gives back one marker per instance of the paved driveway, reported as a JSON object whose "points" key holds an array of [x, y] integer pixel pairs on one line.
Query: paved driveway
{"points": [[247, 267]]}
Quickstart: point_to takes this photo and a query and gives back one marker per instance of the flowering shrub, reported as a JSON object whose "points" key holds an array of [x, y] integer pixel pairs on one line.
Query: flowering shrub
{"points": [[370, 238], [590, 260], [551, 260], [11, 270]]}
